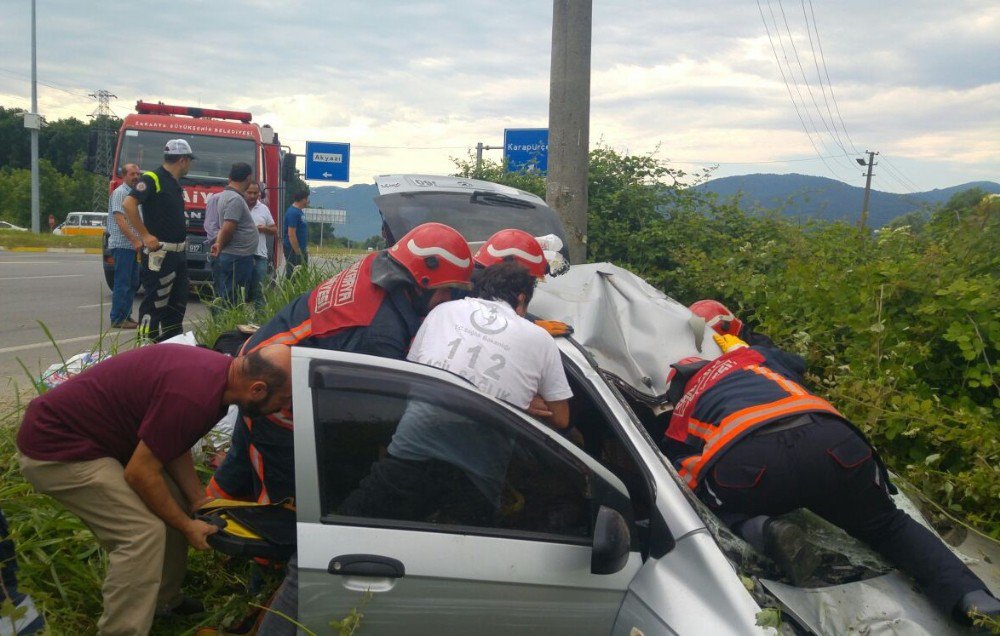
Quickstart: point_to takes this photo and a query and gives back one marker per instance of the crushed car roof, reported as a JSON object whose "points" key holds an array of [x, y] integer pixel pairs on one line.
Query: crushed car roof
{"points": [[632, 330]]}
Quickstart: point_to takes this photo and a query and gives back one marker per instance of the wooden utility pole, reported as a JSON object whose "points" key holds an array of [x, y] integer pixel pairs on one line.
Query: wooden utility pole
{"points": [[868, 188], [569, 120]]}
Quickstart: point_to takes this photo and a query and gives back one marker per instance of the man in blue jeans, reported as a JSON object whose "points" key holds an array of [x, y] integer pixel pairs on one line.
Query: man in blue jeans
{"points": [[124, 243], [295, 232], [236, 244]]}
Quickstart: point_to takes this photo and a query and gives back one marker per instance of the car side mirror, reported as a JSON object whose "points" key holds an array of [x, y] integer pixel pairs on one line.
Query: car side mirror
{"points": [[611, 542]]}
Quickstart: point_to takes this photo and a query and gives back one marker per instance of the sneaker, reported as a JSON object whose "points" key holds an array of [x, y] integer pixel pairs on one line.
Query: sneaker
{"points": [[786, 543], [125, 324], [981, 603], [187, 607]]}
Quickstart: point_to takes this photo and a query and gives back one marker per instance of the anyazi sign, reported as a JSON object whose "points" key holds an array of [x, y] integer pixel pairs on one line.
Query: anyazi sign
{"points": [[328, 161], [526, 149]]}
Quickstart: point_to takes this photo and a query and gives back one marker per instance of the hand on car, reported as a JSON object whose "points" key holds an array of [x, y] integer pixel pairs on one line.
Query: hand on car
{"points": [[555, 327], [539, 407], [197, 532], [729, 343]]}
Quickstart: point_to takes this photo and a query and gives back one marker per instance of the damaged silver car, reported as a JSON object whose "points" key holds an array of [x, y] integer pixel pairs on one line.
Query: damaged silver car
{"points": [[598, 539]]}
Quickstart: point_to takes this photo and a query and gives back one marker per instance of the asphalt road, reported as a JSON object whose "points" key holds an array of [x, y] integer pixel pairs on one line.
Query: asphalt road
{"points": [[68, 294]]}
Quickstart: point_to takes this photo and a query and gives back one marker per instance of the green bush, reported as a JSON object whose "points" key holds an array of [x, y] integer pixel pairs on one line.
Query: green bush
{"points": [[901, 328]]}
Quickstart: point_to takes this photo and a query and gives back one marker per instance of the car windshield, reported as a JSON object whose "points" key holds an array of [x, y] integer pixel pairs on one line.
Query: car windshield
{"points": [[215, 155], [476, 215]]}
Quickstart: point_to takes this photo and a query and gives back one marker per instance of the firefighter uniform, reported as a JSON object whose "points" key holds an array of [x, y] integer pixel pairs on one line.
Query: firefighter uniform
{"points": [[349, 312], [750, 441], [163, 307]]}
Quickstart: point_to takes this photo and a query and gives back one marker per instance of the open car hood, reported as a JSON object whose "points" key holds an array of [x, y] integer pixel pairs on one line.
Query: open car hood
{"points": [[477, 209], [633, 331]]}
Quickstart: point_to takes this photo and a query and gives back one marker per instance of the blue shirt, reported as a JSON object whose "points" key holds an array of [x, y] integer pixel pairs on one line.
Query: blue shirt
{"points": [[294, 218]]}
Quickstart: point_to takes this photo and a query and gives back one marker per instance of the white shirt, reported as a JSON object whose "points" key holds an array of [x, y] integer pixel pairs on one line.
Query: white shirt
{"points": [[262, 216], [504, 355], [487, 343]]}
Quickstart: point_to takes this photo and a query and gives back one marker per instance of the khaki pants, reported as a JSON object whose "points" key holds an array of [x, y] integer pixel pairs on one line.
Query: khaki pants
{"points": [[146, 558]]}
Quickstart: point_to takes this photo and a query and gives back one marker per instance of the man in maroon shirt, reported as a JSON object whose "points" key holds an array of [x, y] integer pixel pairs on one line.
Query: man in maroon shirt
{"points": [[121, 460]]}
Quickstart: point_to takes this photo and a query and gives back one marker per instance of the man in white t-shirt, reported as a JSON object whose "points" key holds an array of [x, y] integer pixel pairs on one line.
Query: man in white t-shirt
{"points": [[267, 231], [486, 340]]}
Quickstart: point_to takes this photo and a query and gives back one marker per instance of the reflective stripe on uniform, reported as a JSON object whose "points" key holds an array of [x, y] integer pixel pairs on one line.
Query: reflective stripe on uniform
{"points": [[258, 465], [737, 423], [294, 335], [156, 180]]}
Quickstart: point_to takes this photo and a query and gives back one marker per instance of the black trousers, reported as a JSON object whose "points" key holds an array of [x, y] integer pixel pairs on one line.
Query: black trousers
{"points": [[166, 297], [826, 467]]}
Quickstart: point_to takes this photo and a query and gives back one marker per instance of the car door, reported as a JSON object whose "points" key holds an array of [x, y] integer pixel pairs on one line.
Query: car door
{"points": [[431, 508]]}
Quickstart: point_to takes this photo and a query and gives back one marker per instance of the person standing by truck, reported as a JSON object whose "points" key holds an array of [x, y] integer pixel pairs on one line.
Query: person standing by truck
{"points": [[265, 242], [124, 242], [295, 233], [163, 230], [236, 243]]}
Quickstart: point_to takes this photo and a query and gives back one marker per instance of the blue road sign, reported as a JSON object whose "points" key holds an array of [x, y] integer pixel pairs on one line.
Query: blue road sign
{"points": [[328, 161], [526, 149]]}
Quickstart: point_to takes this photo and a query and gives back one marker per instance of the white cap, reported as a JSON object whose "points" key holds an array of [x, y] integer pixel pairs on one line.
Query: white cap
{"points": [[178, 147]]}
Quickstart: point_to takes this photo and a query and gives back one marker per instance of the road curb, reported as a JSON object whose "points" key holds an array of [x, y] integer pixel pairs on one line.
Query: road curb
{"points": [[57, 250]]}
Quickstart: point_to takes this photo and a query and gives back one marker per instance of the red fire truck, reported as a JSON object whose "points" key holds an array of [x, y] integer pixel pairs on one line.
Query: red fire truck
{"points": [[219, 138]]}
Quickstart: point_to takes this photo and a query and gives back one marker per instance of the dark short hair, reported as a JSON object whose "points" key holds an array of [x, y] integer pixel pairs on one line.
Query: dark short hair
{"points": [[172, 159], [504, 281], [299, 195], [259, 368], [240, 172]]}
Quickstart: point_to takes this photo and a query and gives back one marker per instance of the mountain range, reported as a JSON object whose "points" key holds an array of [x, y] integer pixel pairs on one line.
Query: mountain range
{"points": [[822, 198], [793, 194]]}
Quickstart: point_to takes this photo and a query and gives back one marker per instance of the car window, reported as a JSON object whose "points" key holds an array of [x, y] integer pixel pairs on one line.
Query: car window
{"points": [[423, 454]]}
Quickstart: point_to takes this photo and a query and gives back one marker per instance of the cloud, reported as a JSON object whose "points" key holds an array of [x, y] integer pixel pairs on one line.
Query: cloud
{"points": [[412, 84]]}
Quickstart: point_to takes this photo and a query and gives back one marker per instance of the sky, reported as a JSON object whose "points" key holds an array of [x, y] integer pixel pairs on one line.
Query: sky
{"points": [[740, 86]]}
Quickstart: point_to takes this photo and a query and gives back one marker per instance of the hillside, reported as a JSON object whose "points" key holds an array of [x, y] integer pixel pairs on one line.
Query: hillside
{"points": [[819, 197], [793, 194]]}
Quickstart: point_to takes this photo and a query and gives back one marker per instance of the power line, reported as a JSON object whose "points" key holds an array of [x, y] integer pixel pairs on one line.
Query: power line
{"points": [[795, 104], [826, 71], [788, 65], [805, 80], [27, 79], [819, 77]]}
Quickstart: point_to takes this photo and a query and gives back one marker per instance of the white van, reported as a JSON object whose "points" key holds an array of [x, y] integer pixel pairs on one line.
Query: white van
{"points": [[83, 224]]}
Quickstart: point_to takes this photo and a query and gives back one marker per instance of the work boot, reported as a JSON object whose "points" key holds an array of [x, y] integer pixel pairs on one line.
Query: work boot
{"points": [[979, 602], [187, 607], [787, 545], [128, 323]]}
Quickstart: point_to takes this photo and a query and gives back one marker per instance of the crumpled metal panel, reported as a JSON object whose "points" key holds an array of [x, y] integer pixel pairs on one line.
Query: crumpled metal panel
{"points": [[633, 330], [887, 604]]}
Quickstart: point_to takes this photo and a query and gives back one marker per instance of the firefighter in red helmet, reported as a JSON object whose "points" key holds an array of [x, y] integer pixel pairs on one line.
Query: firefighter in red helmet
{"points": [[753, 443]]}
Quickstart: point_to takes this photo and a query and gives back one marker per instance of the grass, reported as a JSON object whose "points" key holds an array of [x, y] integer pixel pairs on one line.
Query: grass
{"points": [[13, 238], [61, 564]]}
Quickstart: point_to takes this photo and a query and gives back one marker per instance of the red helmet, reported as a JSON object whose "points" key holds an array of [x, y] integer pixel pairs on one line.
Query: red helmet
{"points": [[718, 317], [516, 244], [436, 255]]}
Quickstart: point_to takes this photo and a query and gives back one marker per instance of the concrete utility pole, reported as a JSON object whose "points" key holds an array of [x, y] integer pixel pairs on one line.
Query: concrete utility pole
{"points": [[479, 155], [569, 120], [104, 149], [33, 122], [868, 187]]}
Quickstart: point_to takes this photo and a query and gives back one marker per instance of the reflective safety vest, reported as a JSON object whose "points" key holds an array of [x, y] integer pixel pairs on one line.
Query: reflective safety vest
{"points": [[728, 399]]}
